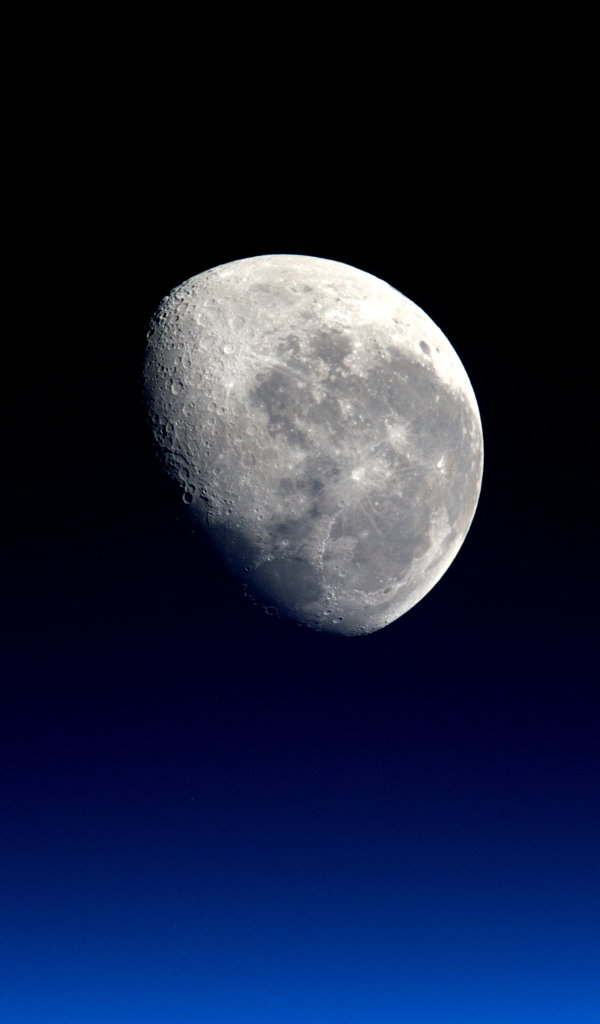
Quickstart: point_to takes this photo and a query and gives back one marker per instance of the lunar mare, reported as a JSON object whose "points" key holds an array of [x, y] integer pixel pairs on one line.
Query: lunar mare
{"points": [[323, 431]]}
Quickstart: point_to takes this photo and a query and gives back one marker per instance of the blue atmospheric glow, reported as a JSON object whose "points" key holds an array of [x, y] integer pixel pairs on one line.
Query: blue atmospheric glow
{"points": [[348, 899]]}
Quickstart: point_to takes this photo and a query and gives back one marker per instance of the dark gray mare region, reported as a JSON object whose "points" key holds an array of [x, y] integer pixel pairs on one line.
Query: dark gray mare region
{"points": [[381, 525]]}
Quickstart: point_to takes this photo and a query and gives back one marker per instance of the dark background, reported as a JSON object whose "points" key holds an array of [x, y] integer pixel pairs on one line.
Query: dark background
{"points": [[210, 815]]}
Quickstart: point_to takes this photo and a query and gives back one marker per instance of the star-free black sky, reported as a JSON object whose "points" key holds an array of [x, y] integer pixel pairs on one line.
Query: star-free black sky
{"points": [[208, 815]]}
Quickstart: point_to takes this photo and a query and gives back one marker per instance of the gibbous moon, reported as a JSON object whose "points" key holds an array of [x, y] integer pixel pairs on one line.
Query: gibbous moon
{"points": [[324, 434]]}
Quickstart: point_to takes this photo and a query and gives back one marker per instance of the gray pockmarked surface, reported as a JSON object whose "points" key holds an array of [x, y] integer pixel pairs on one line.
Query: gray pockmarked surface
{"points": [[324, 433]]}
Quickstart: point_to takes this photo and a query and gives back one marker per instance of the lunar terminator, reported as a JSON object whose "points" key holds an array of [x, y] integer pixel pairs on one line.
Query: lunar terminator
{"points": [[323, 431]]}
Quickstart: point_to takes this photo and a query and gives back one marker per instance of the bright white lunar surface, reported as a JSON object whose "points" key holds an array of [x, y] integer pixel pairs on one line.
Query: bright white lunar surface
{"points": [[324, 433]]}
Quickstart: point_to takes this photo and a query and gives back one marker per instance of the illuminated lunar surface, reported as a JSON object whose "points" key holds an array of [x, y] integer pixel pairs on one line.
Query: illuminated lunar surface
{"points": [[324, 433]]}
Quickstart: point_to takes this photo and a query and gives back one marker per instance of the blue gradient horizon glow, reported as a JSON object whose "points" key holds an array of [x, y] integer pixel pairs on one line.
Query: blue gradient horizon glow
{"points": [[294, 952], [245, 912]]}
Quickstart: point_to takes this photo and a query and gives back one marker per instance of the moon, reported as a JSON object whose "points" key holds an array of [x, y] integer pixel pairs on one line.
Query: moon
{"points": [[324, 434]]}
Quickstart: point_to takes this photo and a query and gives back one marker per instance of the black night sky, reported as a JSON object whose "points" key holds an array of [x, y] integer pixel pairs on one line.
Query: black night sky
{"points": [[208, 815]]}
